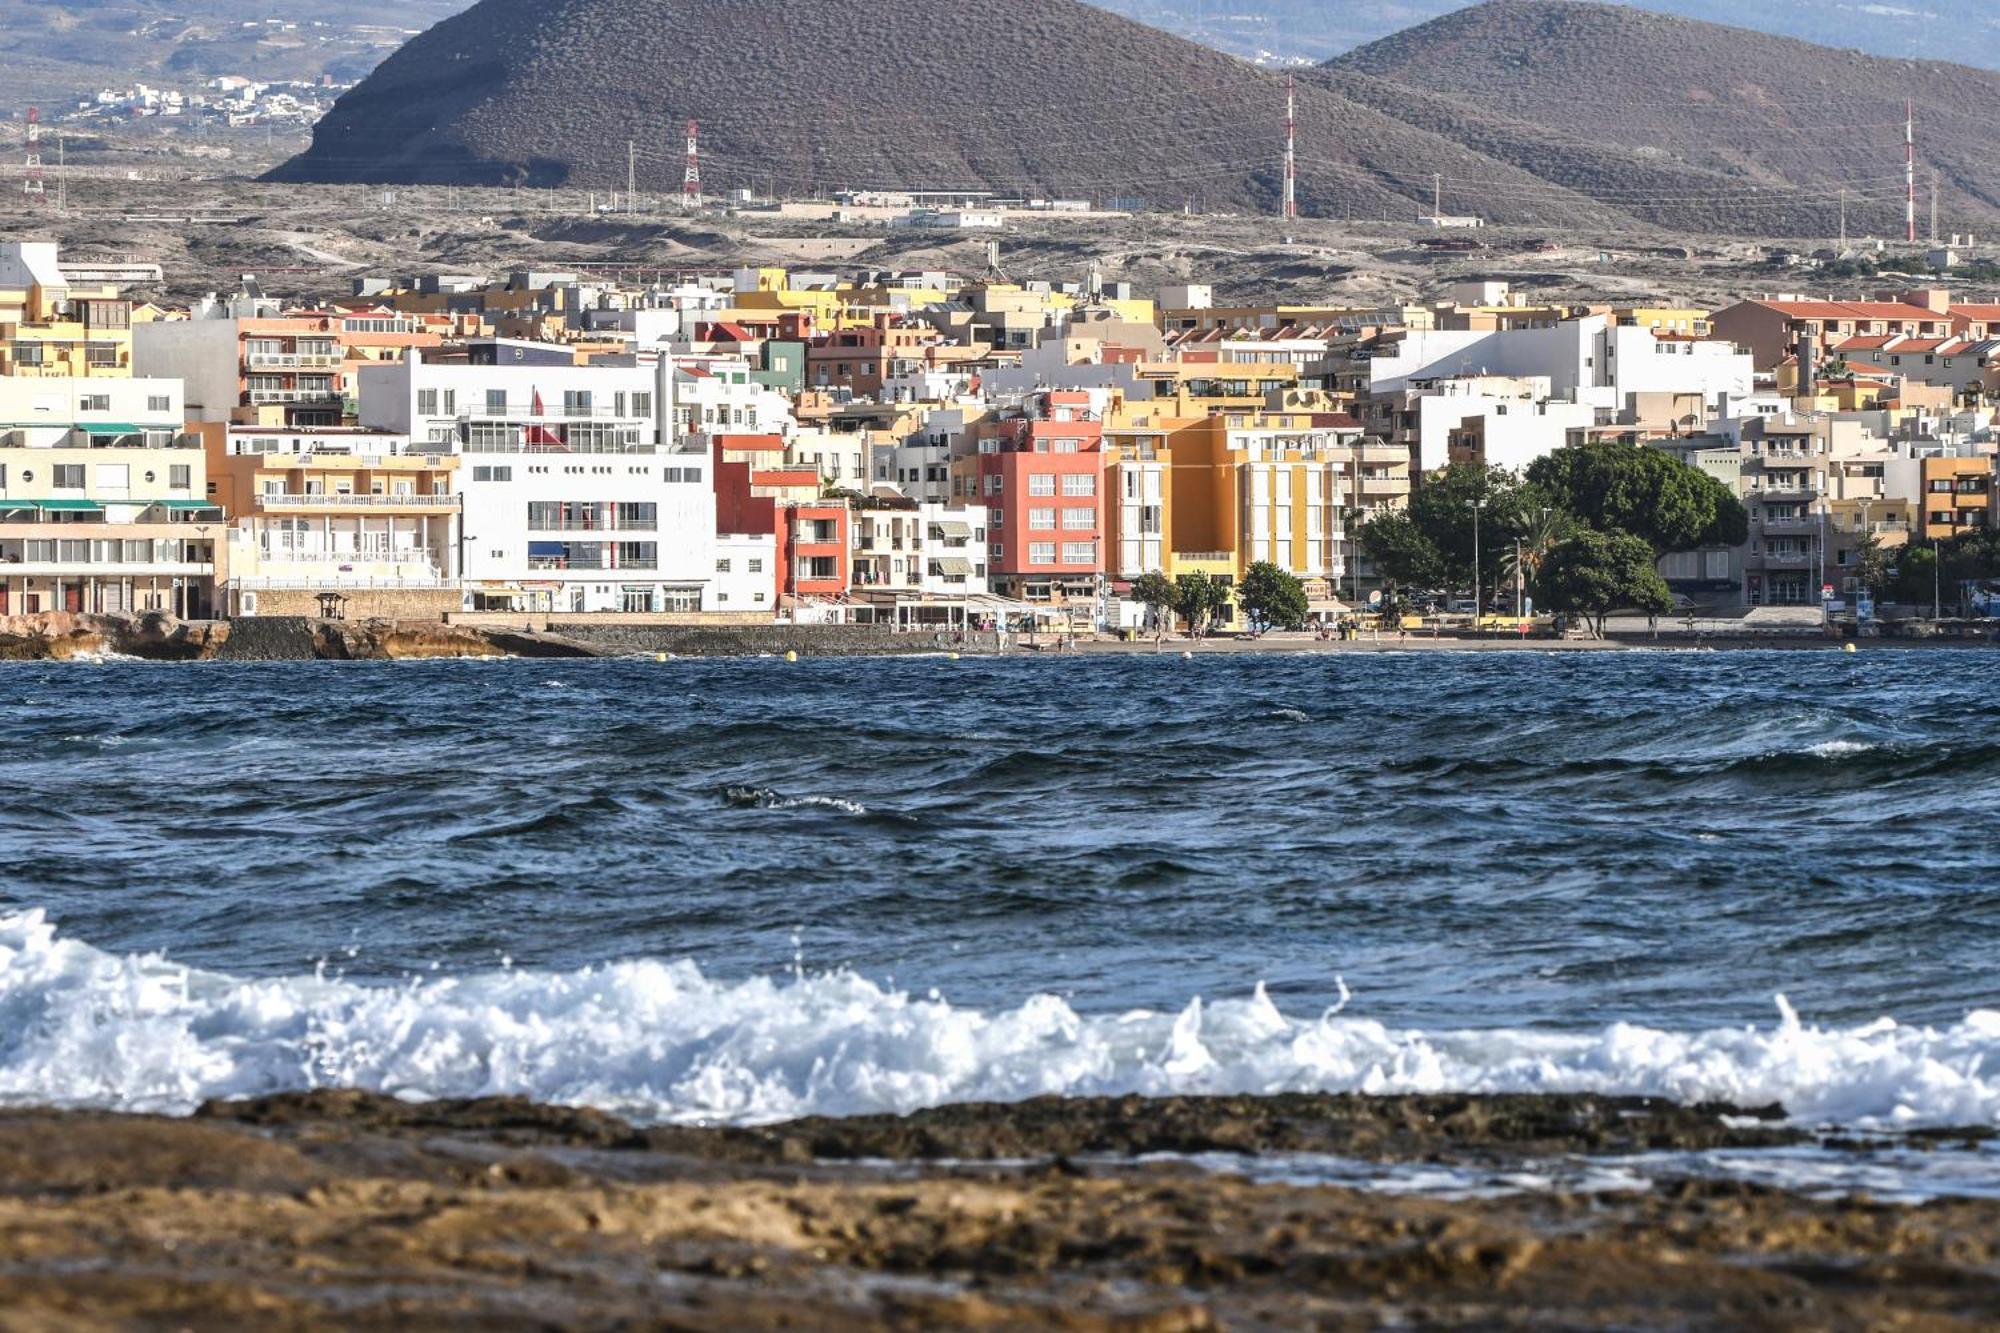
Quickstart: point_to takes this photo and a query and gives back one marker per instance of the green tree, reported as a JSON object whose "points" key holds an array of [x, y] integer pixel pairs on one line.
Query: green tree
{"points": [[1441, 509], [1273, 597], [1646, 492], [1401, 553], [1871, 565], [1155, 591], [1200, 600], [1917, 580], [1595, 573]]}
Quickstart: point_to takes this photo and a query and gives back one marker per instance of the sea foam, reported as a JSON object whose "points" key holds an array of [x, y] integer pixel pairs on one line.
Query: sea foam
{"points": [[660, 1041]]}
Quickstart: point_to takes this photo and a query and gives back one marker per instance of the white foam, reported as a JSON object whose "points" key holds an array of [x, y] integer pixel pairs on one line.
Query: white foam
{"points": [[660, 1041]]}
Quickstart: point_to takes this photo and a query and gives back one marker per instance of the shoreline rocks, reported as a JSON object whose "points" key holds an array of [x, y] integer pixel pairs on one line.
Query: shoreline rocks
{"points": [[350, 1209]]}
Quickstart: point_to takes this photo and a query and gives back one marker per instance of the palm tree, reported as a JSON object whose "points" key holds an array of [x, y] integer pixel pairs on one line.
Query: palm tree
{"points": [[1520, 564]]}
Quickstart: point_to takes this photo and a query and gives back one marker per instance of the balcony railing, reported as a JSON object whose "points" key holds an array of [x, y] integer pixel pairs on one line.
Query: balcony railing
{"points": [[312, 501], [549, 412], [260, 397], [586, 525], [554, 563], [291, 361]]}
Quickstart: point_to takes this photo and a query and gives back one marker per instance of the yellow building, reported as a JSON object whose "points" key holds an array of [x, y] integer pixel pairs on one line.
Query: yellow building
{"points": [[103, 499], [333, 521], [51, 327], [1215, 496]]}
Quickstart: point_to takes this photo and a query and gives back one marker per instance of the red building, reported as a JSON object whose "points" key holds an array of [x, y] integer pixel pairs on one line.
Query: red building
{"points": [[1041, 478], [756, 493]]}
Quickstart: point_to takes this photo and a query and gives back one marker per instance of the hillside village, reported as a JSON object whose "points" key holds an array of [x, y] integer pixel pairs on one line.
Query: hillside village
{"points": [[934, 452]]}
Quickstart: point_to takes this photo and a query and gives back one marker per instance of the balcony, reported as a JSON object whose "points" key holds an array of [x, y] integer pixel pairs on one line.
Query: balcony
{"points": [[560, 564], [266, 397], [1802, 525], [1788, 559], [291, 361], [549, 412], [391, 503]]}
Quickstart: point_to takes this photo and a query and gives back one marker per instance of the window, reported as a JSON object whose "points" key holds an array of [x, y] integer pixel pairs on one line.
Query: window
{"points": [[755, 566], [68, 476], [94, 402], [576, 402], [996, 518], [496, 402], [1041, 483], [1077, 518], [159, 402], [180, 476], [993, 484], [1079, 483], [642, 404], [1041, 553], [427, 402], [1079, 553], [722, 566], [493, 474], [1041, 518]]}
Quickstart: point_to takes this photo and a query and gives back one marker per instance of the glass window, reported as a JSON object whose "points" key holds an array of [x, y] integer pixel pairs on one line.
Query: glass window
{"points": [[1041, 518], [1041, 483]]}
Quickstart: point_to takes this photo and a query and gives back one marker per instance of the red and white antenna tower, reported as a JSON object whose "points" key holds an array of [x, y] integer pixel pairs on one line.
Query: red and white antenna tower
{"points": [[691, 179], [1910, 170], [32, 184], [1291, 146]]}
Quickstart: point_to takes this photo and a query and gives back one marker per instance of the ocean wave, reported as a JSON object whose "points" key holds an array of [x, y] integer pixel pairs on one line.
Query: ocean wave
{"points": [[763, 798], [660, 1041]]}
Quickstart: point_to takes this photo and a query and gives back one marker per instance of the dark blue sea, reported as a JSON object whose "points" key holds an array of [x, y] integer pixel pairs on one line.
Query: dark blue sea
{"points": [[747, 889]]}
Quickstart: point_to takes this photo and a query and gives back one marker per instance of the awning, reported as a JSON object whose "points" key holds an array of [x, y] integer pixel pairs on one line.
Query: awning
{"points": [[951, 564], [57, 506], [102, 428], [953, 531]]}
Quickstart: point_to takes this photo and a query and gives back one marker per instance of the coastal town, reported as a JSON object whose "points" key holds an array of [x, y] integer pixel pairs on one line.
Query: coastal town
{"points": [[935, 451]]}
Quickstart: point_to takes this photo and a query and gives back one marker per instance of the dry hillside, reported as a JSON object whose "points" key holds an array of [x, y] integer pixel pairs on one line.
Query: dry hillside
{"points": [[1021, 96], [1776, 127]]}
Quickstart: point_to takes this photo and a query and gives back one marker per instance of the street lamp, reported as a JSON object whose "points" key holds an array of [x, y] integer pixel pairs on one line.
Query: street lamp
{"points": [[1478, 592]]}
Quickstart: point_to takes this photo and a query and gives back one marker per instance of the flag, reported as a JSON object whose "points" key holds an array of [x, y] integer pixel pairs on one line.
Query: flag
{"points": [[538, 402]]}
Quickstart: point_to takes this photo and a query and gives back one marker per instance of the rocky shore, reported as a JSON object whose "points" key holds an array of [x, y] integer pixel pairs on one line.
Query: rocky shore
{"points": [[352, 1210], [57, 636]]}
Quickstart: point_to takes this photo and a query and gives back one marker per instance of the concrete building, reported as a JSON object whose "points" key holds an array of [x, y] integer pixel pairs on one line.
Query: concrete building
{"points": [[334, 522], [1040, 478], [103, 499], [571, 502], [295, 369], [55, 324]]}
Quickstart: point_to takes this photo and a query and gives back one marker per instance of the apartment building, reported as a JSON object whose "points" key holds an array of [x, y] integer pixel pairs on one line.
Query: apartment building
{"points": [[298, 369], [758, 493], [1957, 496], [51, 325], [1041, 479], [103, 499], [334, 521], [570, 500]]}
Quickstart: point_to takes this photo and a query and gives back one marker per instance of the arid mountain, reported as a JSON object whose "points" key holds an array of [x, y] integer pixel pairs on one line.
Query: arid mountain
{"points": [[1745, 129], [1521, 111], [1025, 97], [1967, 30]]}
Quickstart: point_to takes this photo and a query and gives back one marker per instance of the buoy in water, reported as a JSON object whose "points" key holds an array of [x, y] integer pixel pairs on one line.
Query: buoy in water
{"points": [[1187, 657], [791, 655], [1847, 648], [952, 656], [659, 657]]}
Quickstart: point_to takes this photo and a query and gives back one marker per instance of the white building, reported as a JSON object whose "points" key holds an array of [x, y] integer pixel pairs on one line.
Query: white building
{"points": [[572, 503], [746, 566]]}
